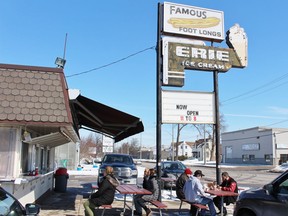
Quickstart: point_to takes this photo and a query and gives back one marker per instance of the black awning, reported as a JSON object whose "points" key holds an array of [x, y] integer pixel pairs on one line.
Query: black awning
{"points": [[94, 116]]}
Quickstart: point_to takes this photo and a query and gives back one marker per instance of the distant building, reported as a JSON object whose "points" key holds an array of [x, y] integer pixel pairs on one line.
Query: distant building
{"points": [[184, 149], [199, 147], [258, 145]]}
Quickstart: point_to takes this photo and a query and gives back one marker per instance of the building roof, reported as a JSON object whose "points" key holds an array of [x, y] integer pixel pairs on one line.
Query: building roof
{"points": [[36, 98], [33, 94]]}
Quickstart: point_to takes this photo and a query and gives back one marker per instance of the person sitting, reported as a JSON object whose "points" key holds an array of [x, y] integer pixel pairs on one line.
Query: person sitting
{"points": [[228, 184], [104, 195], [193, 190], [181, 182], [140, 200], [179, 187], [146, 178]]}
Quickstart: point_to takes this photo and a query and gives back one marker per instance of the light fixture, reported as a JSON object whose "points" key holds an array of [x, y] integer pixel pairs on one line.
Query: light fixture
{"points": [[60, 62]]}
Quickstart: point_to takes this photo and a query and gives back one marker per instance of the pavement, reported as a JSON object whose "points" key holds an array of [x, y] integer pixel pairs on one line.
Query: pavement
{"points": [[70, 203]]}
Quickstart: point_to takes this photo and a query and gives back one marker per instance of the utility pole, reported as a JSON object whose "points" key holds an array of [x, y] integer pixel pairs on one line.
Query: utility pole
{"points": [[204, 148], [172, 142]]}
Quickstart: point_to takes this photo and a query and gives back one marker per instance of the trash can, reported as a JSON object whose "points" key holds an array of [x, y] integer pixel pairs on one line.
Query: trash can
{"points": [[61, 177]]}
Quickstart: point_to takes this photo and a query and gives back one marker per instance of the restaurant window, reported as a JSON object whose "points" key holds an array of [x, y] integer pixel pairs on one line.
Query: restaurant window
{"points": [[7, 151], [25, 158], [251, 157]]}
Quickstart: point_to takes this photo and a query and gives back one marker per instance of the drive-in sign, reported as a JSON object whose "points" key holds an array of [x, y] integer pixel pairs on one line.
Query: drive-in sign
{"points": [[193, 21], [186, 107], [178, 56]]}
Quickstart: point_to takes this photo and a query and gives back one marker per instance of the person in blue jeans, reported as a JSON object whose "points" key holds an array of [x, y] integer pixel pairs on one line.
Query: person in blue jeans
{"points": [[194, 192]]}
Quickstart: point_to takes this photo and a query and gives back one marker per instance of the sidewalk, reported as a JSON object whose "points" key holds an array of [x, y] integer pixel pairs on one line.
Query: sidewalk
{"points": [[70, 203]]}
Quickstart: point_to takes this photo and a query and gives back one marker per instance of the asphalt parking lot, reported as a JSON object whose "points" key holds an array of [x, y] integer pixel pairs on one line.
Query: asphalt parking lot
{"points": [[79, 189]]}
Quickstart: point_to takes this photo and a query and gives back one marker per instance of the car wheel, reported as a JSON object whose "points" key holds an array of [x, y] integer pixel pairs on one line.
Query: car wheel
{"points": [[246, 213]]}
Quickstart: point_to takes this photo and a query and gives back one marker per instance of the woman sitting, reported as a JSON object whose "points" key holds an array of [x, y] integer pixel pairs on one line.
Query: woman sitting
{"points": [[140, 200], [105, 193]]}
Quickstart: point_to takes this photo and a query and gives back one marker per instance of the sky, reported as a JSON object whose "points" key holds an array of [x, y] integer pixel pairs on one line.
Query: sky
{"points": [[111, 58]]}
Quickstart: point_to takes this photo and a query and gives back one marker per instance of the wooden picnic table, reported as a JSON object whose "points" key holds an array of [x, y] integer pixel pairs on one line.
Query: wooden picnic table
{"points": [[222, 194], [132, 190]]}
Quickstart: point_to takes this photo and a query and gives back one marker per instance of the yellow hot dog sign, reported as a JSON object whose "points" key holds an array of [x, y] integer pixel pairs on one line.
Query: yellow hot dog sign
{"points": [[193, 22]]}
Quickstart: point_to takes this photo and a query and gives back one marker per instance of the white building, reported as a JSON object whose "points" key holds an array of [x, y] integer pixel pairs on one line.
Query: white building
{"points": [[185, 149], [200, 147], [258, 145]]}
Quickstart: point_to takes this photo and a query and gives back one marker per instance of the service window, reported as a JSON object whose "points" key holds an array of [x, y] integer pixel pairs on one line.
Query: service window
{"points": [[7, 151]]}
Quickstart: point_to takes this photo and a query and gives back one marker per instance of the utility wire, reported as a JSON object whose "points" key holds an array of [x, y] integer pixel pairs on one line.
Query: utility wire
{"points": [[277, 123], [223, 103], [115, 62], [254, 137], [256, 89]]}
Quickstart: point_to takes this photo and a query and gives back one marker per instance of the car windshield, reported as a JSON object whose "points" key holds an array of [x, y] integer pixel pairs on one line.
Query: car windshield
{"points": [[117, 159], [173, 166], [8, 205]]}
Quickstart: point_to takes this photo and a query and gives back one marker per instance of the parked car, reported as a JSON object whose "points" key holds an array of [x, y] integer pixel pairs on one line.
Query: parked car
{"points": [[125, 169], [9, 205], [272, 199], [171, 169], [280, 168]]}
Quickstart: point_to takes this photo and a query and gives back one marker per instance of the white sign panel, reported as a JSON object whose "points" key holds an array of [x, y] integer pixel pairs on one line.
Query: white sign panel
{"points": [[193, 21], [107, 141], [186, 107], [107, 149]]}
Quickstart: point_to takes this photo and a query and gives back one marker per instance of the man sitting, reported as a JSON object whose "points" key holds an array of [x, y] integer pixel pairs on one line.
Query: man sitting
{"points": [[193, 190], [228, 184]]}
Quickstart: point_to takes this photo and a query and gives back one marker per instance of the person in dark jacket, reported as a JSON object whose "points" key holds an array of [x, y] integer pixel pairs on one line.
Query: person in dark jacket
{"points": [[228, 184], [141, 199], [180, 185], [146, 178], [105, 193], [181, 182]]}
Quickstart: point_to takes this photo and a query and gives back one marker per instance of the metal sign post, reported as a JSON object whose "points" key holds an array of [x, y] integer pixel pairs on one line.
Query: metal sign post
{"points": [[158, 98]]}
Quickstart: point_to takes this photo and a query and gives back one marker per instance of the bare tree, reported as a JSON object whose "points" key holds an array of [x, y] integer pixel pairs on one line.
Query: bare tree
{"points": [[90, 146], [179, 128], [131, 148]]}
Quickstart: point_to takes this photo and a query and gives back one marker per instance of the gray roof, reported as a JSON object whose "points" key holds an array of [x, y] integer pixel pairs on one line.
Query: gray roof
{"points": [[31, 94]]}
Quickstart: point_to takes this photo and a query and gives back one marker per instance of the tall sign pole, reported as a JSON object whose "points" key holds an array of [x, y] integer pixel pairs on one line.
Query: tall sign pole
{"points": [[217, 126], [158, 98]]}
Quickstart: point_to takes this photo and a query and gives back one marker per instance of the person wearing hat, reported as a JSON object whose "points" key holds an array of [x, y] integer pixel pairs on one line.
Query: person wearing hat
{"points": [[181, 181], [179, 187], [194, 192]]}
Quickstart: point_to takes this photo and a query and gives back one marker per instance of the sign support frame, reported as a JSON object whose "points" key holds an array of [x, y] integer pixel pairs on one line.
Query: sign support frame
{"points": [[159, 96]]}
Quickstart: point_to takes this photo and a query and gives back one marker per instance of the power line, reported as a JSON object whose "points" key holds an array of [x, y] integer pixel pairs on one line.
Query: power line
{"points": [[277, 123], [254, 137], [109, 64], [258, 88], [270, 89]]}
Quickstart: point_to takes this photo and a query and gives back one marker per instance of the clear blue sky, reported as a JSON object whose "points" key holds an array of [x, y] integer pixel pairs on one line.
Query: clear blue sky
{"points": [[101, 33]]}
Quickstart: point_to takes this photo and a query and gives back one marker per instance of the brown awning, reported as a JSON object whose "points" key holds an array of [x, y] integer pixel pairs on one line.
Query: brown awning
{"points": [[97, 117]]}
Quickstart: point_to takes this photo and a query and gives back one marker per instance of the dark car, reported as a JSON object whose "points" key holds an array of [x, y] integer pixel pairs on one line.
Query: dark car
{"points": [[171, 169], [270, 200], [9, 205], [125, 169]]}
